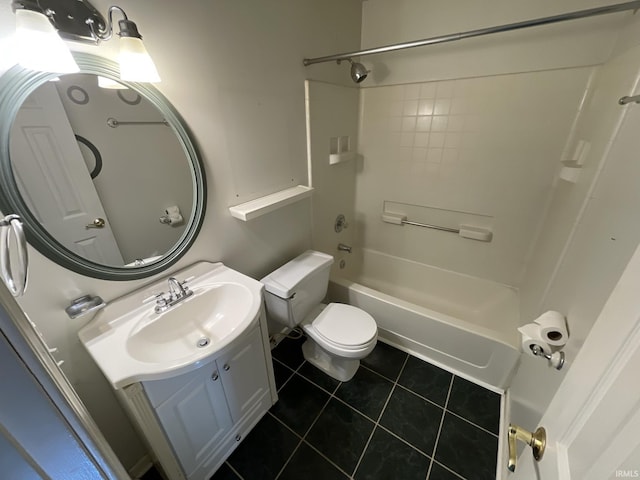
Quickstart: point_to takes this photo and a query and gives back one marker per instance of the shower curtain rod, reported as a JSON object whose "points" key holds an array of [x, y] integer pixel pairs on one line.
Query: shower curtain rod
{"points": [[592, 12]]}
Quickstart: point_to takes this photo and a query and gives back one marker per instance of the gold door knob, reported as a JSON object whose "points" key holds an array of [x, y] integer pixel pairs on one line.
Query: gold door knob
{"points": [[536, 440], [97, 223]]}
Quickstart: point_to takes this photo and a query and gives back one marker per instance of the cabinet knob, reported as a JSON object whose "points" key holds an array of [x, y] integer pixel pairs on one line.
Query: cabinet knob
{"points": [[214, 377], [226, 367], [238, 437]]}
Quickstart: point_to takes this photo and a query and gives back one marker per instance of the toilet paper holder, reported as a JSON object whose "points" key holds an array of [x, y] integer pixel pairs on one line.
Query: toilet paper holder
{"points": [[556, 359]]}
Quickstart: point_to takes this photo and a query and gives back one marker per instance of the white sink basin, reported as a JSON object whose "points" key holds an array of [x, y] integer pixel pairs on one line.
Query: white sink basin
{"points": [[208, 317], [131, 343]]}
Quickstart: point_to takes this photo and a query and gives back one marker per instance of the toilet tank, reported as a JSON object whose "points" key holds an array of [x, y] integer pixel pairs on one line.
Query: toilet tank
{"points": [[294, 289]]}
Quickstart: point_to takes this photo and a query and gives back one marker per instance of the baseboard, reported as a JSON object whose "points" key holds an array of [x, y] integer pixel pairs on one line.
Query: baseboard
{"points": [[141, 467]]}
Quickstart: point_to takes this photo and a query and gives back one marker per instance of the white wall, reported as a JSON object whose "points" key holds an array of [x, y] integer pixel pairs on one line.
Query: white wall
{"points": [[591, 230], [567, 44], [234, 72], [332, 112]]}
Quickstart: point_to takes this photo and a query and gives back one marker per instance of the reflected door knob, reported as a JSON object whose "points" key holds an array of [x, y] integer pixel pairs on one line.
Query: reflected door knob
{"points": [[97, 223]]}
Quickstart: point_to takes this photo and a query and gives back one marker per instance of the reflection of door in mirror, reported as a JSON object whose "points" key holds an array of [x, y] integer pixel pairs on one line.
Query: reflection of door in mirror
{"points": [[54, 181]]}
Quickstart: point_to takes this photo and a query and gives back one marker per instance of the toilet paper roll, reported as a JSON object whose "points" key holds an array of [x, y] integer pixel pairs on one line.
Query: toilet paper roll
{"points": [[530, 336], [173, 210], [175, 219], [553, 328]]}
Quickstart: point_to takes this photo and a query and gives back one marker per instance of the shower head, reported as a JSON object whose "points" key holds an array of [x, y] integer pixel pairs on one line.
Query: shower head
{"points": [[358, 71]]}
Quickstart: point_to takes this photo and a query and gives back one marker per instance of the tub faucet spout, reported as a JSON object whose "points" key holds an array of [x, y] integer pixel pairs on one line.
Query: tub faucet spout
{"points": [[344, 248]]}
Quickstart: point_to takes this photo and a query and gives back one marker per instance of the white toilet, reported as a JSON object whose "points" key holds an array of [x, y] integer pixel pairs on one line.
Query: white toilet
{"points": [[338, 335]]}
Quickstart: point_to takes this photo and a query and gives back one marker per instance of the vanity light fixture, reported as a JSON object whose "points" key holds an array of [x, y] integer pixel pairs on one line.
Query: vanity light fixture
{"points": [[135, 62], [78, 20], [38, 44]]}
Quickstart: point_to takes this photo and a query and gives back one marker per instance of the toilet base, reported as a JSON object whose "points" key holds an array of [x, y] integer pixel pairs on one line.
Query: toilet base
{"points": [[342, 369]]}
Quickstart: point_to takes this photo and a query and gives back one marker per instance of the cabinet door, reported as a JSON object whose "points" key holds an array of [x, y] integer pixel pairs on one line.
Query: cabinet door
{"points": [[196, 418], [244, 374]]}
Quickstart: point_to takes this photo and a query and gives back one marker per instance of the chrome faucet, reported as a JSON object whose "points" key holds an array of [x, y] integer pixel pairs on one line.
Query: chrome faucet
{"points": [[178, 291], [344, 248]]}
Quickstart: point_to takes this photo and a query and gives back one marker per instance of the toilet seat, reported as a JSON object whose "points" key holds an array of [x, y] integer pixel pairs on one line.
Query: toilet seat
{"points": [[345, 327]]}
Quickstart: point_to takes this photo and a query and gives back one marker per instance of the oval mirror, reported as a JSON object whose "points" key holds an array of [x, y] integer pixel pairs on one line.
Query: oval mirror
{"points": [[103, 172]]}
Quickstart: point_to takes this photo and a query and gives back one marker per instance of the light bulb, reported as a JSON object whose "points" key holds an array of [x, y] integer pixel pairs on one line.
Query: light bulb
{"points": [[39, 45], [135, 62]]}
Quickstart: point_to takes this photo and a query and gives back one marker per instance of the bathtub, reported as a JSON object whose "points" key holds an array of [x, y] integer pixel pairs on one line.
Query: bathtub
{"points": [[464, 324]]}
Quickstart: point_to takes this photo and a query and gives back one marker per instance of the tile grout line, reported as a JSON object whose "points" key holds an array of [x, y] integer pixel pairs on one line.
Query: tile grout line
{"points": [[294, 450], [449, 470], [444, 413], [471, 423], [377, 422], [449, 411], [234, 470], [326, 458], [420, 396], [303, 438], [310, 426], [288, 460], [404, 441], [274, 359]]}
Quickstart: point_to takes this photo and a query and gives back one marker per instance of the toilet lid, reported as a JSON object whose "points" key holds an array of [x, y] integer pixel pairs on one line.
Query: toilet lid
{"points": [[345, 325]]}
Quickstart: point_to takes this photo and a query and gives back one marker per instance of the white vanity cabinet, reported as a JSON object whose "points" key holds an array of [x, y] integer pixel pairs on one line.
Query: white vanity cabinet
{"points": [[195, 420]]}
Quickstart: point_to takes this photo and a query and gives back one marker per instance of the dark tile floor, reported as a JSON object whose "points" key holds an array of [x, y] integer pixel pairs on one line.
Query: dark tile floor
{"points": [[399, 418]]}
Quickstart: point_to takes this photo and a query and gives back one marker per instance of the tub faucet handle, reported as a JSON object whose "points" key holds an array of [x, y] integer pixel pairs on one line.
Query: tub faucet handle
{"points": [[340, 224], [344, 248], [536, 440]]}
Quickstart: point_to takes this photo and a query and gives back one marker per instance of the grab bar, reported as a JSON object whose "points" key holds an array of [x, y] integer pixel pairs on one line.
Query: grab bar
{"points": [[433, 227], [465, 231], [113, 123], [627, 99], [12, 223]]}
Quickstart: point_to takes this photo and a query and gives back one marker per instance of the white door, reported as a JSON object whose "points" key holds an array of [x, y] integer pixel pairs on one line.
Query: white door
{"points": [[54, 180], [593, 421]]}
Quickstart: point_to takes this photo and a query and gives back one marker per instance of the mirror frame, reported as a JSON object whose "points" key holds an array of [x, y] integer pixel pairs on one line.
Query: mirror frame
{"points": [[15, 86]]}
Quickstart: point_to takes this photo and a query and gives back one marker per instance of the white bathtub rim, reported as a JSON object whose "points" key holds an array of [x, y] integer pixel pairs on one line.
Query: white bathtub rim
{"points": [[510, 339]]}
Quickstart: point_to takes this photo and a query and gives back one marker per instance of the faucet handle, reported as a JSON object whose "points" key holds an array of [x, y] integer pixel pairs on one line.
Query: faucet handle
{"points": [[153, 297]]}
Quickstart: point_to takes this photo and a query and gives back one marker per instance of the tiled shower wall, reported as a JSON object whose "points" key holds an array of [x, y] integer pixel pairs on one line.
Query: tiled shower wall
{"points": [[488, 145]]}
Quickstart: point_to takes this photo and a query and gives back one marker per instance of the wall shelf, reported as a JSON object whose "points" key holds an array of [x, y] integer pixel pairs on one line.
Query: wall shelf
{"points": [[263, 205], [341, 157]]}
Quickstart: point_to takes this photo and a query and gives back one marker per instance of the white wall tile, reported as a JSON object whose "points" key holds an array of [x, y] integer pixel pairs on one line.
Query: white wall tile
{"points": [[497, 159]]}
